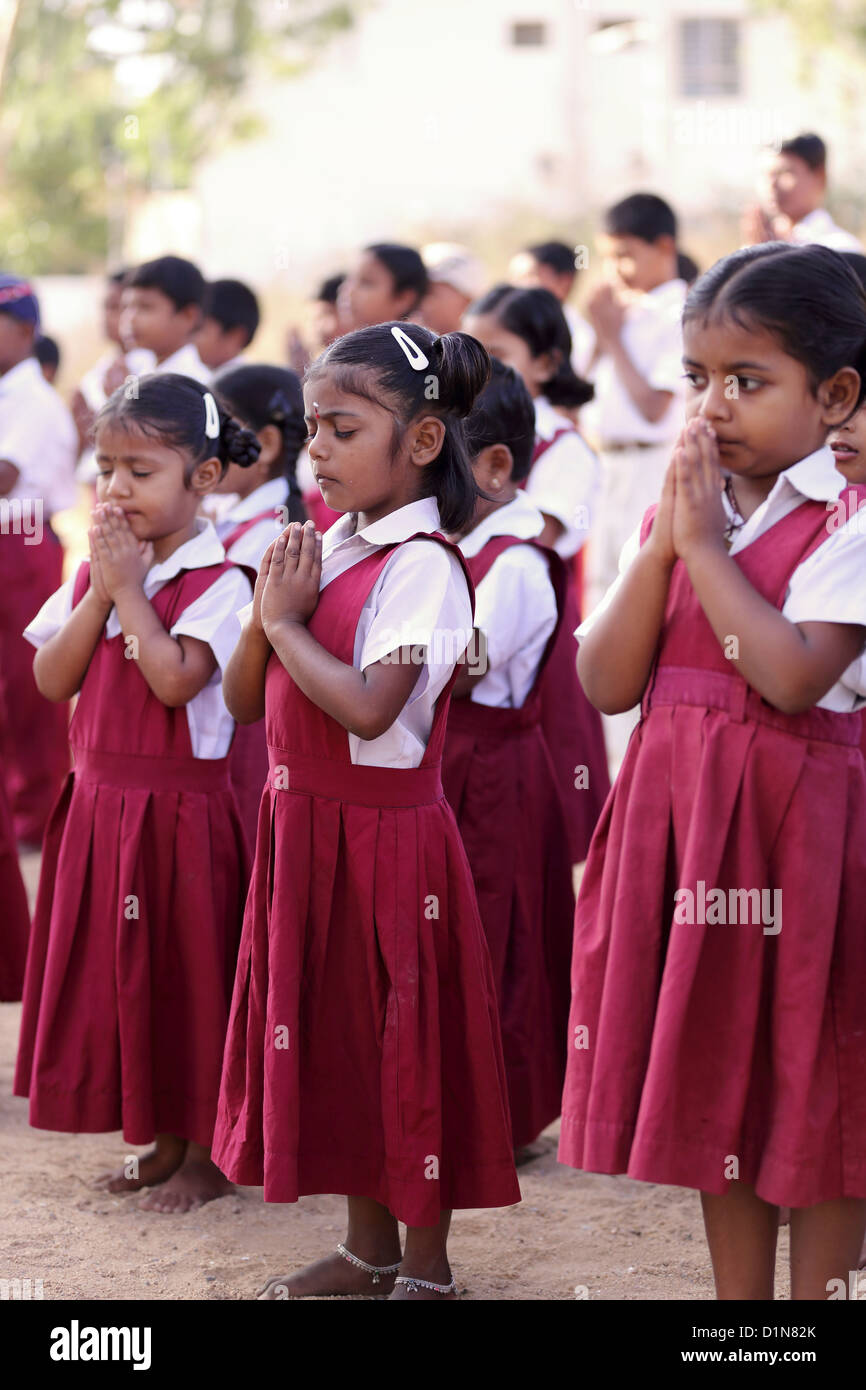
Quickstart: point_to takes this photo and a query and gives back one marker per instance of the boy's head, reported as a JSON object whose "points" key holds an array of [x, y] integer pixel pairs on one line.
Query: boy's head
{"points": [[47, 354], [798, 176], [230, 319], [19, 320], [548, 266], [640, 241], [161, 305]]}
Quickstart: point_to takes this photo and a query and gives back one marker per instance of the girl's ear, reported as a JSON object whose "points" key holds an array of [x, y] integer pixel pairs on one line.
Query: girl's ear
{"points": [[493, 467], [271, 439], [838, 395], [546, 365], [206, 475], [425, 443]]}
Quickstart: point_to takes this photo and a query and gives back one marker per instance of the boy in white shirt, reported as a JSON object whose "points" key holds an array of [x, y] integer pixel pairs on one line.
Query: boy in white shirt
{"points": [[794, 187], [38, 447], [161, 309], [637, 371], [230, 321]]}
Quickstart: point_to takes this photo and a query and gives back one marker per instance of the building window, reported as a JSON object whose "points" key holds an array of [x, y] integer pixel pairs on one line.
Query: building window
{"points": [[529, 35], [709, 57]]}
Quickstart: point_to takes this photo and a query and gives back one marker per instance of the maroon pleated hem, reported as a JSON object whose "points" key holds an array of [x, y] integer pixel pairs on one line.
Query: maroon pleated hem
{"points": [[677, 1162], [68, 1114], [495, 1186]]}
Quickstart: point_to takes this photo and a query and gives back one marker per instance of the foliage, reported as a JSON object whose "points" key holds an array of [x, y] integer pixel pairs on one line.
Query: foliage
{"points": [[103, 102]]}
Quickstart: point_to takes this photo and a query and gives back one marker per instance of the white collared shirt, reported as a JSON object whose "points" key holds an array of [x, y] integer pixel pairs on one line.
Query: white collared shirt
{"points": [[828, 587], [38, 436], [92, 387], [420, 599], [186, 361], [818, 229], [653, 338], [211, 618], [515, 604], [582, 339], [564, 482], [251, 546]]}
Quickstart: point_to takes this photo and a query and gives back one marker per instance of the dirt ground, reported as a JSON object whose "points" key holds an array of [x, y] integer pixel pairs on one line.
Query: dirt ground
{"points": [[573, 1235]]}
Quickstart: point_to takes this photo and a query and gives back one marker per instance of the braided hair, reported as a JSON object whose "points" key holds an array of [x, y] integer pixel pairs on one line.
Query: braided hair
{"points": [[264, 395], [173, 409]]}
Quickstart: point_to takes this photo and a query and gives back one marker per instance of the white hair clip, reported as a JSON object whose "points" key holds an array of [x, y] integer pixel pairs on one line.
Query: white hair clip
{"points": [[416, 359], [211, 417]]}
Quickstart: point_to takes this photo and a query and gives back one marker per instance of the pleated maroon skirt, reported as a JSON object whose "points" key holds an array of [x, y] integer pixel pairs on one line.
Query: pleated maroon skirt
{"points": [[363, 1054], [499, 780]]}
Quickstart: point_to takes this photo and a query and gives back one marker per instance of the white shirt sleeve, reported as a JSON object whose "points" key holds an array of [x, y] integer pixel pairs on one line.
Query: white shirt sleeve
{"points": [[420, 600], [213, 617], [51, 616], [563, 484], [626, 556], [830, 586], [515, 606]]}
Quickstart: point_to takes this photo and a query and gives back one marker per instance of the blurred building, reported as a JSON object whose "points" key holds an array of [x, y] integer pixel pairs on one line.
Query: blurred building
{"points": [[452, 113]]}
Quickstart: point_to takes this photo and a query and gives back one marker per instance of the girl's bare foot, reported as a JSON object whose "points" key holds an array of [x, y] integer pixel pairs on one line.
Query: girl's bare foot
{"points": [[332, 1277], [425, 1258], [197, 1180], [148, 1169]]}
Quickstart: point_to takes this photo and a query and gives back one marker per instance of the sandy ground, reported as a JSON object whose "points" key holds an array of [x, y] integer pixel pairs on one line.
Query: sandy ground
{"points": [[573, 1235]]}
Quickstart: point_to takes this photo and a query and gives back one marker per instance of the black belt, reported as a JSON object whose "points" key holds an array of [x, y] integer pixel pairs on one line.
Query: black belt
{"points": [[620, 446]]}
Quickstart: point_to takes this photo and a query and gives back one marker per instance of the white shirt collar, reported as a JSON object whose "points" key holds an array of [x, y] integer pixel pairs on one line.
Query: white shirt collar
{"points": [[548, 421], [270, 495], [399, 525], [818, 220], [204, 548], [187, 362], [814, 477], [27, 371], [517, 518], [671, 292]]}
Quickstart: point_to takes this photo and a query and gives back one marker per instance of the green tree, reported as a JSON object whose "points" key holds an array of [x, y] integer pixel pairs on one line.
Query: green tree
{"points": [[102, 100]]}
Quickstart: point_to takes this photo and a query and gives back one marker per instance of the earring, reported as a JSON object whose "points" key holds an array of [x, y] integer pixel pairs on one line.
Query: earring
{"points": [[495, 482]]}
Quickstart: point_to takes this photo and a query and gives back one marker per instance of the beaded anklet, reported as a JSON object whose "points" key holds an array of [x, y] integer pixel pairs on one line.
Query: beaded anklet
{"points": [[414, 1285], [375, 1270]]}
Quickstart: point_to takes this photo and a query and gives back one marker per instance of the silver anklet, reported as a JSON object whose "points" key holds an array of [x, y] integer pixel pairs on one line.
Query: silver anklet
{"points": [[375, 1270], [413, 1285]]}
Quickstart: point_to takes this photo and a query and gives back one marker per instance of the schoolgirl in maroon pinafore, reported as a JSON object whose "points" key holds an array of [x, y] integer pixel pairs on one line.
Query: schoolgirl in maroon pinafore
{"points": [[144, 868], [363, 1055], [718, 1024], [497, 770], [15, 921], [527, 330], [269, 401]]}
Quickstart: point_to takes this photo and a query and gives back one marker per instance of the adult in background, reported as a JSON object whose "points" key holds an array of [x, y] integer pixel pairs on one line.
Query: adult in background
{"points": [[792, 204]]}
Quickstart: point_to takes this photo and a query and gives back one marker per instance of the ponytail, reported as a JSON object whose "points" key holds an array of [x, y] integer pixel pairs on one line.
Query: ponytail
{"points": [[411, 372], [536, 316], [268, 395]]}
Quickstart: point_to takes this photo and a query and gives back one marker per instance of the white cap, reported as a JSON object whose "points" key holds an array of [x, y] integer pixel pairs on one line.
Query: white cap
{"points": [[451, 264]]}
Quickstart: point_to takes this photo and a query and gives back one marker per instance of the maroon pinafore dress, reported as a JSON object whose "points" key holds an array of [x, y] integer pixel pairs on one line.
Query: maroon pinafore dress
{"points": [[34, 748], [363, 1054], [695, 1043], [498, 777], [572, 726], [14, 915], [138, 915], [248, 756]]}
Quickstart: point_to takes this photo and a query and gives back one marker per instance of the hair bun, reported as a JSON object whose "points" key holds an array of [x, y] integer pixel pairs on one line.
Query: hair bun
{"points": [[463, 368], [238, 444]]}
